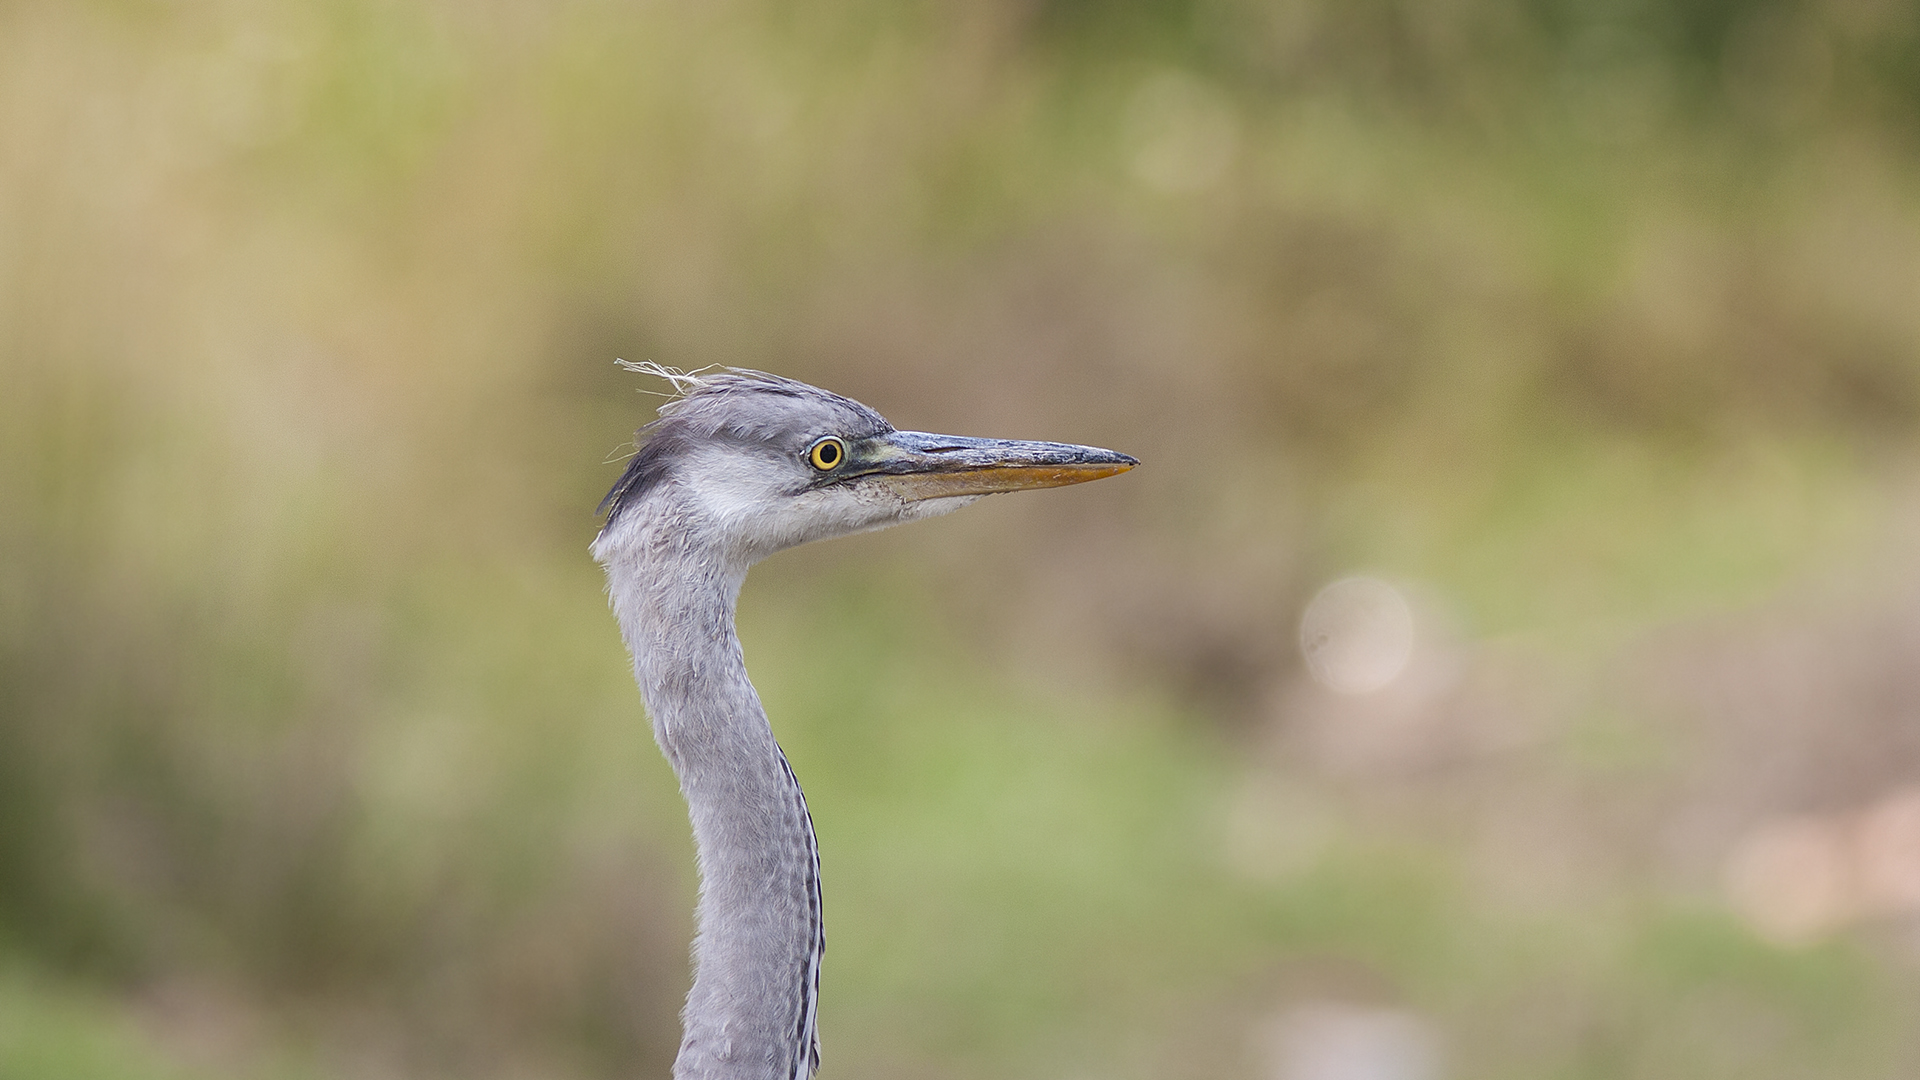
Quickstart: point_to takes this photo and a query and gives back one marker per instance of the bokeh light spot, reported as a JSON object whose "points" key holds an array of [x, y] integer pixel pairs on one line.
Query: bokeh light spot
{"points": [[1357, 635], [1336, 1041]]}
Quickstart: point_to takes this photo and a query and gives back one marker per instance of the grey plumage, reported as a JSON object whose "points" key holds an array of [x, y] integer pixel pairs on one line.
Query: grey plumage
{"points": [[741, 465]]}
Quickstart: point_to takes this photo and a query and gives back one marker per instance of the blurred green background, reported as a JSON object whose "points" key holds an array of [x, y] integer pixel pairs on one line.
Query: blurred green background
{"points": [[1589, 330]]}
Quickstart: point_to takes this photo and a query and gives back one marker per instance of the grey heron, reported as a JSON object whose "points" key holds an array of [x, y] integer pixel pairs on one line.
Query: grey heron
{"points": [[739, 465]]}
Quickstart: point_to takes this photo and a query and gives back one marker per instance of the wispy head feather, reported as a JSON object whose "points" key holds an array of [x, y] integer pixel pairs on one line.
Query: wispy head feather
{"points": [[684, 382]]}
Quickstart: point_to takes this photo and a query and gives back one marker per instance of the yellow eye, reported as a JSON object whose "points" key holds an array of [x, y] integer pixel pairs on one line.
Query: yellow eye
{"points": [[827, 453]]}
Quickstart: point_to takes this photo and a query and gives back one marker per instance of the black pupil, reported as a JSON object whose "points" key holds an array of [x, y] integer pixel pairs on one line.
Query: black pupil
{"points": [[828, 453]]}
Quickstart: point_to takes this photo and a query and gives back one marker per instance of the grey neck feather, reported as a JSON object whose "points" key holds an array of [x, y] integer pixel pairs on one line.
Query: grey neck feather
{"points": [[750, 1014]]}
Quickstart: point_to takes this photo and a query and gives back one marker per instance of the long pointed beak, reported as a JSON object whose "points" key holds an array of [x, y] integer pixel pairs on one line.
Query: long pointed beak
{"points": [[917, 465]]}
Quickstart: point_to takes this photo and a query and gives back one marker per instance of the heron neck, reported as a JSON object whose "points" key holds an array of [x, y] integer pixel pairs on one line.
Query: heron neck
{"points": [[756, 959]]}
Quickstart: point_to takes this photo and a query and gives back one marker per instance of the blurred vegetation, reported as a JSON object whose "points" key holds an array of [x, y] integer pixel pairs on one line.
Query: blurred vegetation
{"points": [[1595, 325]]}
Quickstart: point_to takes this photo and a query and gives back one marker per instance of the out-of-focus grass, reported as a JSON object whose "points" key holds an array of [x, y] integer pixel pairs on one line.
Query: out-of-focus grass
{"points": [[54, 1036], [1594, 537], [1024, 883], [55, 1031]]}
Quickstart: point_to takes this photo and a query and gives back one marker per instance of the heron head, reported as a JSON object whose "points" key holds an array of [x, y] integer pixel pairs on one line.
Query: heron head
{"points": [[758, 463]]}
